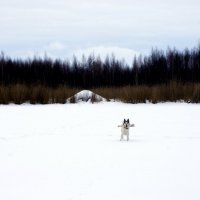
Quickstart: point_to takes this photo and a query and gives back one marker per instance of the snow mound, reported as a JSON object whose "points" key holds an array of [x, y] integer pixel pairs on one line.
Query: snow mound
{"points": [[85, 96]]}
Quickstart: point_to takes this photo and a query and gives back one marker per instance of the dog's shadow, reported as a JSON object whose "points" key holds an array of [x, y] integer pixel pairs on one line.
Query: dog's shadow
{"points": [[136, 139]]}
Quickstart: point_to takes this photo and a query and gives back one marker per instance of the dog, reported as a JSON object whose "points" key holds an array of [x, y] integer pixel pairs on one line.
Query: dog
{"points": [[125, 129]]}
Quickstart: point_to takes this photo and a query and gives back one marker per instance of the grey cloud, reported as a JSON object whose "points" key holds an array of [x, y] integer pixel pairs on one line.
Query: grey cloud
{"points": [[136, 25]]}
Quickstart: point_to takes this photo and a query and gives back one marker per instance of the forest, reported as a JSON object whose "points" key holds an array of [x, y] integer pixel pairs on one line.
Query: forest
{"points": [[169, 71]]}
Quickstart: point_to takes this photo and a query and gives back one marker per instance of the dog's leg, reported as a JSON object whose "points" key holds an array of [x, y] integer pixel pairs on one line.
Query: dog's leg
{"points": [[127, 137], [121, 137]]}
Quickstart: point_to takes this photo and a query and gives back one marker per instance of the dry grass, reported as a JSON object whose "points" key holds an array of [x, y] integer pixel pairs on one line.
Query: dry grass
{"points": [[19, 94], [159, 93], [39, 94]]}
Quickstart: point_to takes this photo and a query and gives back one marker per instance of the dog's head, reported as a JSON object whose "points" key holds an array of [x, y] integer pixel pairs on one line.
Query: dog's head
{"points": [[126, 124]]}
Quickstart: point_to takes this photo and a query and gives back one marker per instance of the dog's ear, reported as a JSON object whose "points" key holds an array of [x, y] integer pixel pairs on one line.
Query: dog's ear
{"points": [[128, 120], [124, 121]]}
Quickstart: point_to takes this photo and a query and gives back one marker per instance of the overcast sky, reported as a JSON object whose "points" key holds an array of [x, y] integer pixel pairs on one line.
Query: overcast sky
{"points": [[61, 28]]}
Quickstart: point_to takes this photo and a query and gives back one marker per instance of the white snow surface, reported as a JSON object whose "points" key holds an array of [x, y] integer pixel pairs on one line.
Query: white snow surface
{"points": [[74, 152], [86, 96]]}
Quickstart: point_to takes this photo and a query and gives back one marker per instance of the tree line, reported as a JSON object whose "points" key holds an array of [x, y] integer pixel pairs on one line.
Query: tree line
{"points": [[157, 68]]}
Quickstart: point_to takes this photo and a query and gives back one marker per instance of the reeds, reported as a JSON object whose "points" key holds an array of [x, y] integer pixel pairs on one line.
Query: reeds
{"points": [[171, 92], [39, 94]]}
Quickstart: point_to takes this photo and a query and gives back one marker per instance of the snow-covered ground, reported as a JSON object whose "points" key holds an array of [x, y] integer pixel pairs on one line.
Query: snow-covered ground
{"points": [[86, 96], [73, 152]]}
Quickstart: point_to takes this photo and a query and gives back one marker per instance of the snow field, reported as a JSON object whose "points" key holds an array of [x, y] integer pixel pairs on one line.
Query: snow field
{"points": [[73, 151]]}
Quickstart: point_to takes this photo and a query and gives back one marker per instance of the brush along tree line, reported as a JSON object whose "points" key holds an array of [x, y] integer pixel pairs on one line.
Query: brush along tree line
{"points": [[148, 76]]}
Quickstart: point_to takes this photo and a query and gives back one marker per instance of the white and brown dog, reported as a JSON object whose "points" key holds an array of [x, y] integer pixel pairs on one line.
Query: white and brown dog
{"points": [[125, 129]]}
